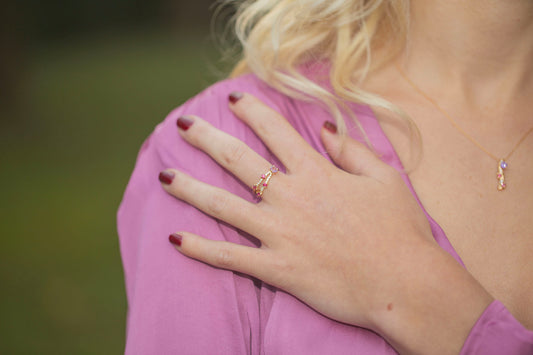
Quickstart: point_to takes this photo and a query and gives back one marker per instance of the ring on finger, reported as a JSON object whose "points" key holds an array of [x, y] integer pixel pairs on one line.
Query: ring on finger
{"points": [[262, 184]]}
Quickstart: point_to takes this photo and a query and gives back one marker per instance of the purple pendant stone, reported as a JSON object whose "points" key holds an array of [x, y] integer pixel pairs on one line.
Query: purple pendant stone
{"points": [[503, 164]]}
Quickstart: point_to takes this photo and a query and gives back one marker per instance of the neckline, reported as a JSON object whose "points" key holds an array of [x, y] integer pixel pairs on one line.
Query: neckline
{"points": [[386, 145]]}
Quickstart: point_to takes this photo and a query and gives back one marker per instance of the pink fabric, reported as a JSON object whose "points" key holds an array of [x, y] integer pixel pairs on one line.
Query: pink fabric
{"points": [[497, 332], [181, 306]]}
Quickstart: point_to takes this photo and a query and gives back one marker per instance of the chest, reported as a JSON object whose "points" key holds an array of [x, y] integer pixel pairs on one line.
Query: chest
{"points": [[491, 230]]}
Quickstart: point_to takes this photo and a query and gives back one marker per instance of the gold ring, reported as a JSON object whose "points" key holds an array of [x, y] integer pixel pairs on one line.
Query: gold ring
{"points": [[262, 184]]}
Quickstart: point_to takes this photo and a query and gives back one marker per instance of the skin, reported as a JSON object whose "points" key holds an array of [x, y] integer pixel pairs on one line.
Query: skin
{"points": [[316, 256], [479, 70]]}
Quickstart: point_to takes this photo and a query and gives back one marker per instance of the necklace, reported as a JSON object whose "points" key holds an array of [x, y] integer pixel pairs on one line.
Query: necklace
{"points": [[502, 162]]}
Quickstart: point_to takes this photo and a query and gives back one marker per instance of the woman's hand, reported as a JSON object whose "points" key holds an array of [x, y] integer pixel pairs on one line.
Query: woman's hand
{"points": [[352, 243]]}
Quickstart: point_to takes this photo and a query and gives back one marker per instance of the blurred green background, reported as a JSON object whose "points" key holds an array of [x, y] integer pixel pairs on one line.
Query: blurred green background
{"points": [[81, 85]]}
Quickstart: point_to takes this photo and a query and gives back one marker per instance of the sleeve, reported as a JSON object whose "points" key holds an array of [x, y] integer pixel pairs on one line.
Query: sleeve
{"points": [[497, 332], [175, 304]]}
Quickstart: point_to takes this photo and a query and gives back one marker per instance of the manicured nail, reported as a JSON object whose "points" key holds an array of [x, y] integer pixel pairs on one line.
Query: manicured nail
{"points": [[175, 239], [235, 96], [330, 126], [185, 122], [166, 177]]}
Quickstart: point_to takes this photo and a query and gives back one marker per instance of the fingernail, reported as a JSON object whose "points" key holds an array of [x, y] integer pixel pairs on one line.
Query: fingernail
{"points": [[185, 122], [330, 126], [235, 96], [175, 239], [166, 177]]}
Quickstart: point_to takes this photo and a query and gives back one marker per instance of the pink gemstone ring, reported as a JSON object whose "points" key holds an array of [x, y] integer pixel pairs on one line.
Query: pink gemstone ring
{"points": [[262, 184]]}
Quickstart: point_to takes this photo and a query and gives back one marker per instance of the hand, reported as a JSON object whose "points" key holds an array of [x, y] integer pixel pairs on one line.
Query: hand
{"points": [[352, 243]]}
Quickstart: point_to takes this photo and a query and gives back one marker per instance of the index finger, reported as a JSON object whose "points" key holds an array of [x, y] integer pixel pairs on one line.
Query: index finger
{"points": [[274, 130]]}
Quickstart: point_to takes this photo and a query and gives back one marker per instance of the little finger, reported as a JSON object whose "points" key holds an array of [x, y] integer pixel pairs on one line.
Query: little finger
{"points": [[256, 262]]}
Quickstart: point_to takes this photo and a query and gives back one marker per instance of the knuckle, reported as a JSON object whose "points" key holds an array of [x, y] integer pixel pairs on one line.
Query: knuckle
{"points": [[280, 270], [262, 126], [224, 258], [283, 267], [216, 204], [234, 153]]}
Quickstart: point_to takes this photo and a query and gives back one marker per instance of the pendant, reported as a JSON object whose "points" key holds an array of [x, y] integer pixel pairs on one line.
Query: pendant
{"points": [[502, 165]]}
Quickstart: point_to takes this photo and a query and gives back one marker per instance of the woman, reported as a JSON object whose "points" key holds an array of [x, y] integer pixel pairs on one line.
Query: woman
{"points": [[350, 260]]}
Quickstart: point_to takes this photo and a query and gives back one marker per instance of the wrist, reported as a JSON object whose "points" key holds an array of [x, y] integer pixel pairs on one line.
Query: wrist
{"points": [[434, 305]]}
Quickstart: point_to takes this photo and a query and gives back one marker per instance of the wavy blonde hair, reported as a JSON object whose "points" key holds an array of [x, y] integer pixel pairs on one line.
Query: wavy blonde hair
{"points": [[279, 37]]}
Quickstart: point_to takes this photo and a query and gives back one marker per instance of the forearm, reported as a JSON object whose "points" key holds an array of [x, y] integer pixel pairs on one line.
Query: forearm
{"points": [[435, 309]]}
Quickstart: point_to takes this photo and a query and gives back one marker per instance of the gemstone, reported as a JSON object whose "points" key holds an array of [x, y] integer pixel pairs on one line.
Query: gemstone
{"points": [[499, 176], [264, 184], [503, 164], [263, 176], [274, 169]]}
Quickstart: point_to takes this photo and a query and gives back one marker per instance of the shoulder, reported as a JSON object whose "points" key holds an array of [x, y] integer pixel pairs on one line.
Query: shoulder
{"points": [[212, 105], [165, 148]]}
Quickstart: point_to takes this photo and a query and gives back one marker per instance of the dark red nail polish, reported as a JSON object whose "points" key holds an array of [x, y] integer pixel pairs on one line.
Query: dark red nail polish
{"points": [[166, 177], [235, 96], [185, 122], [175, 239], [330, 127]]}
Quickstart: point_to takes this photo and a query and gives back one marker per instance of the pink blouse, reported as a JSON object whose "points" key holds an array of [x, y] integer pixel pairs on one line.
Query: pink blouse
{"points": [[181, 306]]}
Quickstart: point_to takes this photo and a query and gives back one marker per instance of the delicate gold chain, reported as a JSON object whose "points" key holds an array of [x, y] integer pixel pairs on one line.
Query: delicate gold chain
{"points": [[456, 126]]}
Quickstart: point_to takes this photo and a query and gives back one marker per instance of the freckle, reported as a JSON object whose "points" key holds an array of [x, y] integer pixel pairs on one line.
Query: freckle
{"points": [[389, 307]]}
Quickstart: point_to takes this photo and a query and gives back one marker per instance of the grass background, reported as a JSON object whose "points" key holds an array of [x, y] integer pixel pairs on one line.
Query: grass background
{"points": [[66, 154]]}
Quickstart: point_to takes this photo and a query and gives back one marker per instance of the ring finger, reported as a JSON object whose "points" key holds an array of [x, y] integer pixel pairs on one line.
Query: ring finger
{"points": [[217, 202], [228, 151]]}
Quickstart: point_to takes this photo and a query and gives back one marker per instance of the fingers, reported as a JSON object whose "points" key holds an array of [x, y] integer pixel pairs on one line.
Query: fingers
{"points": [[231, 153], [353, 156], [225, 255], [274, 130], [215, 202]]}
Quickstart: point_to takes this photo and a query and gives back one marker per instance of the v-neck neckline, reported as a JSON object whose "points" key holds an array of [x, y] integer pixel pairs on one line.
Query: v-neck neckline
{"points": [[383, 143]]}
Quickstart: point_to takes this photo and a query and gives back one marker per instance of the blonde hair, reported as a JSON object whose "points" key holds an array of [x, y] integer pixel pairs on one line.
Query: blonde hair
{"points": [[280, 37]]}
